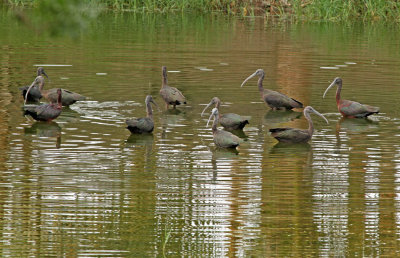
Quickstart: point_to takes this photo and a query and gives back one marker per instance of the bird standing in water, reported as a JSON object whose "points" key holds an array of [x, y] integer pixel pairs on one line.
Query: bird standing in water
{"points": [[229, 121], [348, 108], [68, 97], [45, 112], [144, 124], [222, 138], [34, 94], [295, 135], [273, 99], [171, 95]]}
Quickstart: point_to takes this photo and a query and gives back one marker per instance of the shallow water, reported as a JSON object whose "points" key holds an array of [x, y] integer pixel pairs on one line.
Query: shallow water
{"points": [[83, 186]]}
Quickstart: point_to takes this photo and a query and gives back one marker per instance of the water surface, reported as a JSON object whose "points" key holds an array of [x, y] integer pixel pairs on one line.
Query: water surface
{"points": [[83, 186]]}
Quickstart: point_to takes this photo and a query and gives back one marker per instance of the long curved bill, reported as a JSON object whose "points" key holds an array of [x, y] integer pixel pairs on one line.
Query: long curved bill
{"points": [[212, 114], [45, 74], [248, 78], [321, 115], [330, 86], [27, 92], [208, 105], [155, 104]]}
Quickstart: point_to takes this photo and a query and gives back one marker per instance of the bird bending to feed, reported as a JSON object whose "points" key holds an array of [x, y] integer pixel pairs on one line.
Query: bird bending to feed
{"points": [[295, 135], [171, 95], [274, 99], [144, 124], [34, 94], [45, 112], [348, 108], [229, 121], [68, 97], [222, 138]]}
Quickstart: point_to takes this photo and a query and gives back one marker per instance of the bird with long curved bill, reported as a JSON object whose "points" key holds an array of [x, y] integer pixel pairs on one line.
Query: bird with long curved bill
{"points": [[229, 121], [273, 99], [295, 135], [349, 108], [34, 94], [222, 139]]}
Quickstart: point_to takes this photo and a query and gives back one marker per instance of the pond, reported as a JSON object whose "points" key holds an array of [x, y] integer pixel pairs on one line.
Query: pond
{"points": [[82, 185]]}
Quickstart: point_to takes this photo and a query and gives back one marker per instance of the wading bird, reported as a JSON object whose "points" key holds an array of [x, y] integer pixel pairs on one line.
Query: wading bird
{"points": [[222, 138], [45, 112], [144, 124], [348, 108], [171, 95], [68, 97], [274, 99], [295, 135], [229, 121], [34, 94]]}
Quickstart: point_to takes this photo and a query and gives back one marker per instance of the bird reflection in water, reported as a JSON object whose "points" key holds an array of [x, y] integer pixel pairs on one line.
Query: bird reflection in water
{"points": [[45, 129], [281, 116]]}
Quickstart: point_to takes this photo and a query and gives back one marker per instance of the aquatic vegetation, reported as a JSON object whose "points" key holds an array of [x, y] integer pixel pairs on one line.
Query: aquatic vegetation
{"points": [[328, 10]]}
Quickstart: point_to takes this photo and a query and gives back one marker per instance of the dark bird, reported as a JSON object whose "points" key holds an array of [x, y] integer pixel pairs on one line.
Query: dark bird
{"points": [[34, 94], [44, 112], [274, 99], [68, 97], [171, 95], [222, 138], [348, 108], [144, 124], [229, 121], [295, 135]]}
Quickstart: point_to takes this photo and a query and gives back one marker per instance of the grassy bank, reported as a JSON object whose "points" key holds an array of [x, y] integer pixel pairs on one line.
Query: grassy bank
{"points": [[331, 10]]}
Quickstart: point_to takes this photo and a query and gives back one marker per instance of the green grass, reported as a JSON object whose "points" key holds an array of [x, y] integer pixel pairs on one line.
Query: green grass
{"points": [[303, 10]]}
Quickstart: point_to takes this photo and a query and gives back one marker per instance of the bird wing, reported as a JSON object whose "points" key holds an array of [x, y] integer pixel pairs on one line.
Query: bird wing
{"points": [[353, 108], [277, 99], [173, 94], [289, 134], [226, 139], [232, 120]]}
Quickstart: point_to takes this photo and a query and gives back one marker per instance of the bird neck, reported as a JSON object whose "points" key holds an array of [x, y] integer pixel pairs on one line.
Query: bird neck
{"points": [[149, 110], [59, 103], [164, 80], [338, 90], [218, 104], [260, 84], [215, 123], [310, 123], [41, 86]]}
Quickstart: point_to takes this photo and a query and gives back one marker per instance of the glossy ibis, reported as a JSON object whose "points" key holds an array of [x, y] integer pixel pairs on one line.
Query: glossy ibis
{"points": [[171, 95], [229, 121], [68, 97], [222, 138], [348, 108], [34, 94], [295, 135], [45, 112], [144, 124], [274, 99]]}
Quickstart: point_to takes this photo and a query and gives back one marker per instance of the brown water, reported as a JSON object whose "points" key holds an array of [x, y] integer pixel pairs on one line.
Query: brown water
{"points": [[82, 186]]}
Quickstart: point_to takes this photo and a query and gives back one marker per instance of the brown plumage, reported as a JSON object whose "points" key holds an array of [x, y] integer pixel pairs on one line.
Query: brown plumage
{"points": [[171, 95], [45, 112], [68, 97], [144, 124], [34, 94], [222, 138], [229, 121], [295, 135], [348, 108], [273, 99]]}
